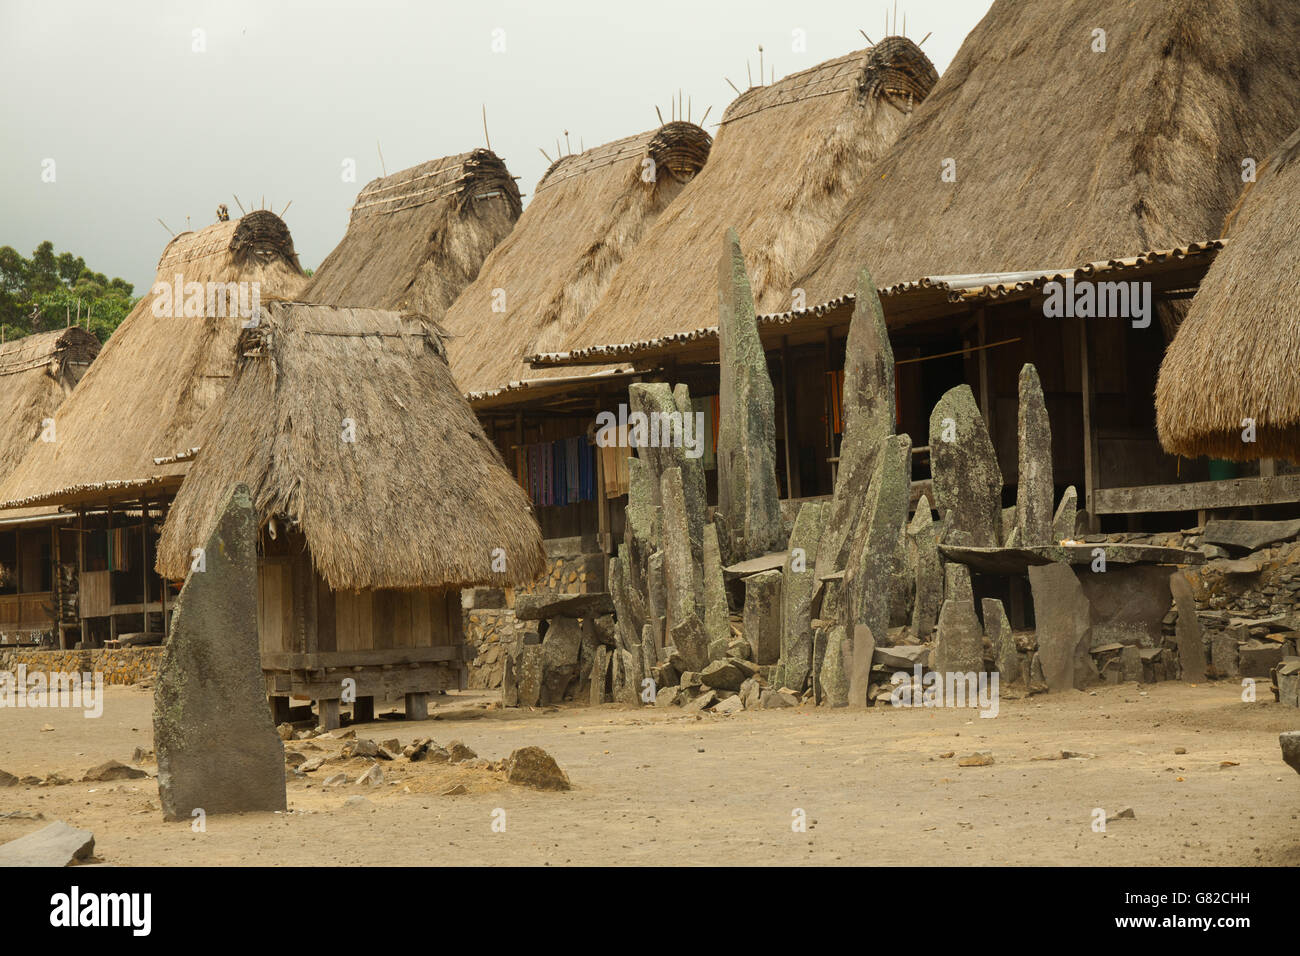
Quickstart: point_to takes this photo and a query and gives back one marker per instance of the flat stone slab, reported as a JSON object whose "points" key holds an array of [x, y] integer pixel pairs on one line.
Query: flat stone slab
{"points": [[1009, 561], [55, 845], [905, 656], [768, 562], [1250, 535], [543, 605]]}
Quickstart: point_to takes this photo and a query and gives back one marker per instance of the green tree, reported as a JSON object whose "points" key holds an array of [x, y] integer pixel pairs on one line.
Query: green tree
{"points": [[43, 292]]}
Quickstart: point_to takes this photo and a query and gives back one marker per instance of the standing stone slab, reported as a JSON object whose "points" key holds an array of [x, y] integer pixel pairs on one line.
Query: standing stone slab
{"points": [[216, 743], [509, 686], [748, 499], [1067, 516], [529, 675], [929, 570], [692, 643], [870, 568], [998, 631], [1035, 491], [798, 578], [599, 675], [717, 619], [560, 651], [683, 579], [836, 666], [763, 616], [967, 480], [869, 412], [1290, 743], [1191, 644], [1062, 616], [959, 639], [860, 658]]}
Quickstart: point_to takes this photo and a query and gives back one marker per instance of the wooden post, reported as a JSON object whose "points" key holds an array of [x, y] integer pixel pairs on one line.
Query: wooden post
{"points": [[144, 564], [81, 574], [56, 585], [417, 706], [112, 618], [329, 713], [791, 476], [828, 402], [1089, 435], [986, 407]]}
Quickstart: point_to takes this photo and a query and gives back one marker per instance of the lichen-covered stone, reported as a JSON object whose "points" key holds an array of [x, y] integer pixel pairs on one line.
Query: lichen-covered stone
{"points": [[1035, 490], [797, 586], [966, 478]]}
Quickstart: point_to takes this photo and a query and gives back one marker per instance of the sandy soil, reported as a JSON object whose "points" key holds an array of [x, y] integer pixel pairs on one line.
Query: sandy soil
{"points": [[661, 787]]}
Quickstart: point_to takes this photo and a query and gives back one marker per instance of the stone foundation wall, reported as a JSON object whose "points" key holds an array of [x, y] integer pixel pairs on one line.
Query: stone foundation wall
{"points": [[490, 625], [123, 665]]}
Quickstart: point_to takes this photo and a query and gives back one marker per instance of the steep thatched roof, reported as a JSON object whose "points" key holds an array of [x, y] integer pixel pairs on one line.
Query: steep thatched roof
{"points": [[157, 374], [418, 237], [1063, 154], [587, 214], [418, 498], [1237, 355], [37, 373], [786, 160]]}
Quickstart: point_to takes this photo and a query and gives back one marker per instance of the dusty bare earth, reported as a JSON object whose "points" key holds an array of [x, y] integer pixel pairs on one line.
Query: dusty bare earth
{"points": [[663, 788]]}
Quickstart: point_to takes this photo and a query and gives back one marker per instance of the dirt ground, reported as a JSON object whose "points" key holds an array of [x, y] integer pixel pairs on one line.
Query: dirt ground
{"points": [[660, 787]]}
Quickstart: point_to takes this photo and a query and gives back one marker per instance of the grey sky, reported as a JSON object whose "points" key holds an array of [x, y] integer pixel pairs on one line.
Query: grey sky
{"points": [[142, 127]]}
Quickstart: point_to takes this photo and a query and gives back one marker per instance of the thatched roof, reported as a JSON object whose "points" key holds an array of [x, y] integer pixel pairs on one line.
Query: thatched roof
{"points": [[786, 160], [157, 374], [1237, 355], [586, 216], [1067, 155], [419, 498], [418, 237], [37, 372]]}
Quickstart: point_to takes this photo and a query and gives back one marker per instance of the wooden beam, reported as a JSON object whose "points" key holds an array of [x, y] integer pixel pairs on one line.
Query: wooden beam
{"points": [[986, 406], [391, 656], [1199, 495], [791, 482], [1090, 460]]}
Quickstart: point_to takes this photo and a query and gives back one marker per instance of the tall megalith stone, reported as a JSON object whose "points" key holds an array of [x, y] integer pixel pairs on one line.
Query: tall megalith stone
{"points": [[748, 500], [966, 477], [1035, 492], [218, 750]]}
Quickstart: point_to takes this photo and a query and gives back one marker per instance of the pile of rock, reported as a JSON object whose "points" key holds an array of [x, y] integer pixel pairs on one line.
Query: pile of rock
{"points": [[555, 662]]}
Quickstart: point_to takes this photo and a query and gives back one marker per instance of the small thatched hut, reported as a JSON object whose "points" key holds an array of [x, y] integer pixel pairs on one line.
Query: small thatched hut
{"points": [[379, 498], [167, 362], [1073, 132], [788, 158], [124, 437], [36, 374], [417, 237], [1237, 355], [588, 212]]}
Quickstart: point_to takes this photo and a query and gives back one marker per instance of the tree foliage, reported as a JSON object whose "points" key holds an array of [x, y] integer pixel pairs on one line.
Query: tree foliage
{"points": [[41, 293]]}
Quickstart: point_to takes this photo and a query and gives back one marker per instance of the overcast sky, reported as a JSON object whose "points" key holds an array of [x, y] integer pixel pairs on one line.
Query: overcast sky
{"points": [[141, 126]]}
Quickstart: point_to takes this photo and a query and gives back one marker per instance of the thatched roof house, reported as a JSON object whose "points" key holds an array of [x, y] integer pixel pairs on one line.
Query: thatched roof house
{"points": [[37, 373], [417, 237], [1237, 355], [787, 159], [1064, 154], [417, 498], [168, 361], [588, 213]]}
